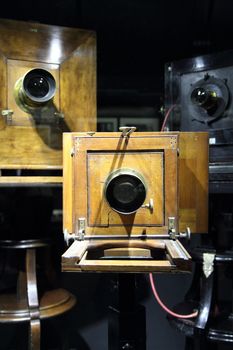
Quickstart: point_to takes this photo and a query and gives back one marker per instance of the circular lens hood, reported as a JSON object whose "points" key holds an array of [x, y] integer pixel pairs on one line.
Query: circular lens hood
{"points": [[125, 191], [39, 86]]}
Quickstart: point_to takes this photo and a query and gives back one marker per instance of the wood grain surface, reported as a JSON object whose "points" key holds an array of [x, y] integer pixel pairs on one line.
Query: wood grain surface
{"points": [[69, 54]]}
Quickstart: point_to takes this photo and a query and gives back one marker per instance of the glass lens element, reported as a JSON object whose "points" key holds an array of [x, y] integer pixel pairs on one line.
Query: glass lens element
{"points": [[37, 86]]}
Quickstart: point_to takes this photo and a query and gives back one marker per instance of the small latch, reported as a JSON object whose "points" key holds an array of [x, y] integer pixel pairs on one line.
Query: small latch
{"points": [[7, 113], [127, 130], [208, 263], [81, 228], [172, 227]]}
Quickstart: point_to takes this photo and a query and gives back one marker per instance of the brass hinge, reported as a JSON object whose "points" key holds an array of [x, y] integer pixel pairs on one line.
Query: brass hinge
{"points": [[81, 227], [79, 232], [172, 227], [172, 232], [7, 113]]}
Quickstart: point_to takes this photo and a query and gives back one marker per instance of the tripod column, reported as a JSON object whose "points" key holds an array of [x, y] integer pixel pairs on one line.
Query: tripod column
{"points": [[127, 322]]}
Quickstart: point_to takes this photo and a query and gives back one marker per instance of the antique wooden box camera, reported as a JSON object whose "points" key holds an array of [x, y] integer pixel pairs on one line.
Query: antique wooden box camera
{"points": [[129, 197], [48, 86]]}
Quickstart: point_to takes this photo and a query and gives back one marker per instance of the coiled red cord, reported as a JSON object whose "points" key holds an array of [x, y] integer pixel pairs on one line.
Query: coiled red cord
{"points": [[170, 312]]}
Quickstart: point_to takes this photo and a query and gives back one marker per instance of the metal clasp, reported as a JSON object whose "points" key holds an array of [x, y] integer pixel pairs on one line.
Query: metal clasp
{"points": [[127, 130], [7, 113], [172, 227], [81, 228]]}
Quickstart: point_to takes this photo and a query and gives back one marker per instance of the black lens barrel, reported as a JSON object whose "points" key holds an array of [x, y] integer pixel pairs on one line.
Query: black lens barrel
{"points": [[39, 85], [125, 192]]}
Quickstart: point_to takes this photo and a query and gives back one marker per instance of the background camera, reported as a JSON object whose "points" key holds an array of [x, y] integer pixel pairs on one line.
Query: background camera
{"points": [[35, 89]]}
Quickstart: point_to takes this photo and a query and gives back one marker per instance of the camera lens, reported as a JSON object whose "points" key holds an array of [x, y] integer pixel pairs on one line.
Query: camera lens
{"points": [[38, 86], [199, 96], [125, 192], [204, 98]]}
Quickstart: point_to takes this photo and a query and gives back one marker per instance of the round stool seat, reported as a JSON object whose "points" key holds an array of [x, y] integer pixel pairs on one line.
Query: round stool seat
{"points": [[24, 244], [52, 303]]}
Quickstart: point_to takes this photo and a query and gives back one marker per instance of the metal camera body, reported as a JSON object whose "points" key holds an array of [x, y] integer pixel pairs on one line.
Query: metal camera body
{"points": [[200, 91]]}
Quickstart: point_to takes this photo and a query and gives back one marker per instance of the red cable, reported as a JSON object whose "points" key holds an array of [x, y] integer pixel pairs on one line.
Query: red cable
{"points": [[174, 314], [166, 117]]}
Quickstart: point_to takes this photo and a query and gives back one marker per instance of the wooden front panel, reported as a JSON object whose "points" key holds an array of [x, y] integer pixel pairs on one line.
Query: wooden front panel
{"points": [[149, 164], [191, 167], [165, 198], [16, 70]]}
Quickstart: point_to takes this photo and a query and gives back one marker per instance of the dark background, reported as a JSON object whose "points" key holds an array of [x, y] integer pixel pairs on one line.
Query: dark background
{"points": [[135, 38]]}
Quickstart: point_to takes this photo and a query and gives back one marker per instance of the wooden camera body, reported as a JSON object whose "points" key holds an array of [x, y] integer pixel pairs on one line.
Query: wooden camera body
{"points": [[129, 197], [48, 86]]}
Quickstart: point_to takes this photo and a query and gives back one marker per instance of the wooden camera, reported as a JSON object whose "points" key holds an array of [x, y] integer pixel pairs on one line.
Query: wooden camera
{"points": [[48, 86], [128, 197]]}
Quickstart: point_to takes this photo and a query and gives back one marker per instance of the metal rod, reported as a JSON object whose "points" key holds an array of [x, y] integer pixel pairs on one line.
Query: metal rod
{"points": [[164, 236]]}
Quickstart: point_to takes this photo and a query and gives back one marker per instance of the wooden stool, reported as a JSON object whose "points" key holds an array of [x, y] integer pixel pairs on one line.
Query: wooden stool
{"points": [[26, 304]]}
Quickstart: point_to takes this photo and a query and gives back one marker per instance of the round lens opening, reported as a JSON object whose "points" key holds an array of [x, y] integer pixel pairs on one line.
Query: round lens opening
{"points": [[125, 193], [199, 96], [205, 98], [38, 86]]}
